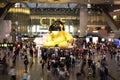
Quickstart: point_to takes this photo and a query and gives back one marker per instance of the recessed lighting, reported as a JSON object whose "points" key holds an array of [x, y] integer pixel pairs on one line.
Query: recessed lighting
{"points": [[116, 10], [88, 5], [95, 31]]}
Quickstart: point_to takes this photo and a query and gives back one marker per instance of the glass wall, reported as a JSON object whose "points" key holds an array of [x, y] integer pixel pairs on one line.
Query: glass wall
{"points": [[20, 18], [34, 21], [40, 24], [95, 17]]}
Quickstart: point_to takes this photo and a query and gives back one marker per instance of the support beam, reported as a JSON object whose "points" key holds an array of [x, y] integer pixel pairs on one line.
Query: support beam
{"points": [[83, 20]]}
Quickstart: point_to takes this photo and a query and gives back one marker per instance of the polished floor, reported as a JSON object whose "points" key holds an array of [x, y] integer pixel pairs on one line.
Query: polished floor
{"points": [[36, 72]]}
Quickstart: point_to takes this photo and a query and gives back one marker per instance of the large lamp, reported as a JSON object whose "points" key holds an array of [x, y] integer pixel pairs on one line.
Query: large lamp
{"points": [[58, 37]]}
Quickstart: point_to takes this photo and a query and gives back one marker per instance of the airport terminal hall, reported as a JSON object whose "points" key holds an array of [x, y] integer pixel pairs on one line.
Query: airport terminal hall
{"points": [[59, 39]]}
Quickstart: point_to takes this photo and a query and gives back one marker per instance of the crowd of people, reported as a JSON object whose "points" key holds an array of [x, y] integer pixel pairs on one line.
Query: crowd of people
{"points": [[60, 61]]}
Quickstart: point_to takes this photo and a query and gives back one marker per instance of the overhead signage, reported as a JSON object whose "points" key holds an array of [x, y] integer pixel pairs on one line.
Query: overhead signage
{"points": [[48, 21]]}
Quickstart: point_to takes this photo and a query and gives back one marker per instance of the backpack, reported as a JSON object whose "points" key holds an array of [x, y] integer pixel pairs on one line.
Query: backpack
{"points": [[26, 62]]}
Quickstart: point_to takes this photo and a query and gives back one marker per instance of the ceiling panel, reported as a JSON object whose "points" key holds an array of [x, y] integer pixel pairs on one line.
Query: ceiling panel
{"points": [[52, 5], [67, 1], [64, 1], [117, 2]]}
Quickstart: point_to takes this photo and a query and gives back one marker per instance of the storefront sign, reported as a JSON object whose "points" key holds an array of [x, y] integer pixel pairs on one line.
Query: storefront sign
{"points": [[48, 21]]}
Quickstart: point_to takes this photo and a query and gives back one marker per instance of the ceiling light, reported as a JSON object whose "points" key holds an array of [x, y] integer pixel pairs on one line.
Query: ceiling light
{"points": [[103, 39], [115, 17], [88, 5], [109, 39], [95, 31], [2, 5], [116, 10], [78, 30], [116, 2], [17, 5]]}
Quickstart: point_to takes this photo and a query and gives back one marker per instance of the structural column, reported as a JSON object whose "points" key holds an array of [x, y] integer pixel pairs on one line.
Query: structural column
{"points": [[83, 20]]}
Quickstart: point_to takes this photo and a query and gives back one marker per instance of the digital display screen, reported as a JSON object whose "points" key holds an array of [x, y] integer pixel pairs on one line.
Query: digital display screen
{"points": [[6, 45], [116, 42]]}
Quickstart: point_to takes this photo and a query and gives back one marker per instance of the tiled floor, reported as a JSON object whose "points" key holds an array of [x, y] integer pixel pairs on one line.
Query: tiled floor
{"points": [[36, 72]]}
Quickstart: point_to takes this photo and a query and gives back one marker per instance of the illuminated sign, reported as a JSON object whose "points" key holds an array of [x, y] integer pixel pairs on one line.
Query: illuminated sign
{"points": [[6, 45], [116, 42], [48, 21]]}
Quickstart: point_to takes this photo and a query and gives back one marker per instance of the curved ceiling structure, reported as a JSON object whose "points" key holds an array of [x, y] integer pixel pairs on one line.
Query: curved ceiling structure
{"points": [[67, 1]]}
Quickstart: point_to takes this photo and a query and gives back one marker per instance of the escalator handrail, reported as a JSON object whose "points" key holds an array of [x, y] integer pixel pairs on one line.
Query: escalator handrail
{"points": [[104, 9], [5, 10]]}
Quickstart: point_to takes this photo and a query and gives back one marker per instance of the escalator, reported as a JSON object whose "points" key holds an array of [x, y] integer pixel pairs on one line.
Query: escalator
{"points": [[4, 10], [108, 17], [111, 22]]}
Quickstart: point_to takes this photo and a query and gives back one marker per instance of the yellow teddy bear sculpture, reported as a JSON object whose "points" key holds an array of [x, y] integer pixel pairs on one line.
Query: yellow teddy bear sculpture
{"points": [[58, 37]]}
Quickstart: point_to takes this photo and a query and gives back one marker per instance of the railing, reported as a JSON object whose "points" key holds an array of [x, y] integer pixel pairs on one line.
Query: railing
{"points": [[3, 11], [105, 10]]}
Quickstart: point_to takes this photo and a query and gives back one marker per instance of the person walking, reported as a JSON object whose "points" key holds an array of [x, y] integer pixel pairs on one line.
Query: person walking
{"points": [[12, 73], [82, 67], [25, 75], [14, 60], [106, 72], [89, 62], [48, 65], [26, 64], [101, 72], [43, 63], [93, 66]]}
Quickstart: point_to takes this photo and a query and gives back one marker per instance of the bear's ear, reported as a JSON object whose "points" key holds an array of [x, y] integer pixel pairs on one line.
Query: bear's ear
{"points": [[51, 28], [56, 26], [56, 45], [61, 25]]}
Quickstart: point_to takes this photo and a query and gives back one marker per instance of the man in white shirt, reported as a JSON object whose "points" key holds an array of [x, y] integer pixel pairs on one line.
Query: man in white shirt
{"points": [[12, 73]]}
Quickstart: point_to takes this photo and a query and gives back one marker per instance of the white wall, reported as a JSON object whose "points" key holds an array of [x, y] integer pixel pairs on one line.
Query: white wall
{"points": [[5, 29]]}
